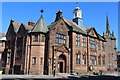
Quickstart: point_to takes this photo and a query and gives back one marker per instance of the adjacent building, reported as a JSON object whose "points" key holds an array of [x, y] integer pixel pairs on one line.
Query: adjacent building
{"points": [[64, 46], [2, 47], [111, 60]]}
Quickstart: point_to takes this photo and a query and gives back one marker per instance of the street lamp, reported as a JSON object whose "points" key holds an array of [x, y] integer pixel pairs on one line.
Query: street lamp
{"points": [[53, 60], [70, 61], [54, 66]]}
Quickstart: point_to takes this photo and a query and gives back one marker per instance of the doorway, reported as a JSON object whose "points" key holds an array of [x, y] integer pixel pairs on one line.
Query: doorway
{"points": [[17, 69], [61, 67], [62, 64]]}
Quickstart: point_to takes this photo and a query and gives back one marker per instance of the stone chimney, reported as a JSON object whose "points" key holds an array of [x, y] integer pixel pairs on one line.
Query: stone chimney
{"points": [[31, 23], [58, 15]]}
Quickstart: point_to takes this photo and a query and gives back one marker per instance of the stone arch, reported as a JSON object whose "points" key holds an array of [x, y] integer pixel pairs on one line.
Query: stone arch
{"points": [[62, 62]]}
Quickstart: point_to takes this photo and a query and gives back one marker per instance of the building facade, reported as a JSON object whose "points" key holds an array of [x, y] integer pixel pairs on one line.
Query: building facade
{"points": [[111, 60], [2, 47], [64, 46]]}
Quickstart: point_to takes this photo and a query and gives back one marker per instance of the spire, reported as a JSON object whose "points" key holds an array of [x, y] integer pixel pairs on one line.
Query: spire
{"points": [[40, 26], [107, 26], [76, 3]]}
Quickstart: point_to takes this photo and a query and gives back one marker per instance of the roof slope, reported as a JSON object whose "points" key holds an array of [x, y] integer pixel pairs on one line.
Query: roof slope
{"points": [[16, 26], [72, 24], [40, 26]]}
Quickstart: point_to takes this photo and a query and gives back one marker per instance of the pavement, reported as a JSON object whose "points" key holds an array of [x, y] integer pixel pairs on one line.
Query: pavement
{"points": [[26, 77], [59, 76]]}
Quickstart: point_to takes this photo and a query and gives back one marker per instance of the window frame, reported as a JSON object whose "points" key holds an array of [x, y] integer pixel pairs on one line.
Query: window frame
{"points": [[93, 60], [77, 58], [83, 41], [35, 39], [84, 59], [103, 59], [60, 38], [41, 61], [34, 60], [99, 45], [77, 39], [99, 60], [43, 38], [92, 43]]}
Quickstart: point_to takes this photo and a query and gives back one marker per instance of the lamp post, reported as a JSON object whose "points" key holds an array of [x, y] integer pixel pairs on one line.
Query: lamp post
{"points": [[70, 68], [54, 67], [53, 61]]}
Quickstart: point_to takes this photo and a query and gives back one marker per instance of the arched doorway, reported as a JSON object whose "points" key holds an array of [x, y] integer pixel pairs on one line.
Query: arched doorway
{"points": [[62, 64]]}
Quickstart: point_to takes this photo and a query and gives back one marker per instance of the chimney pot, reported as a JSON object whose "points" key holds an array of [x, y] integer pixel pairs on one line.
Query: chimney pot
{"points": [[31, 23], [58, 15]]}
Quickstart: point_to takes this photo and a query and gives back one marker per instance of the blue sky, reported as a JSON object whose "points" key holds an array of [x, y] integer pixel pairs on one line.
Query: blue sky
{"points": [[94, 13]]}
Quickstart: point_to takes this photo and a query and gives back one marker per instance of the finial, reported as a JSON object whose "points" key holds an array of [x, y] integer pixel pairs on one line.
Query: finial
{"points": [[106, 14], [76, 3], [112, 33], [41, 10], [12, 20]]}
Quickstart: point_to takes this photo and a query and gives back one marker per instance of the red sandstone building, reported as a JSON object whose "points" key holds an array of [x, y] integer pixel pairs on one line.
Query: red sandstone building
{"points": [[64, 46]]}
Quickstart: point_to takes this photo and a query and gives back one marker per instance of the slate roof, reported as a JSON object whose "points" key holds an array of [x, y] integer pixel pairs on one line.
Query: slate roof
{"points": [[40, 26], [72, 25], [75, 27], [2, 36], [16, 26]]}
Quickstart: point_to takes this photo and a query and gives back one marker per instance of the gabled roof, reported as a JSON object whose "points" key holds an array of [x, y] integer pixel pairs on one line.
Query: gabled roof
{"points": [[72, 25], [98, 35], [16, 26], [40, 26]]}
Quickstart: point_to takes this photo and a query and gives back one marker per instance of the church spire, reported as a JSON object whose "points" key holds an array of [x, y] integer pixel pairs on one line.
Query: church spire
{"points": [[107, 26]]}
